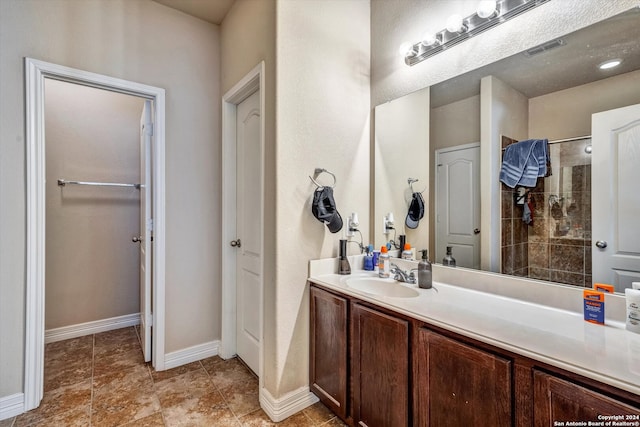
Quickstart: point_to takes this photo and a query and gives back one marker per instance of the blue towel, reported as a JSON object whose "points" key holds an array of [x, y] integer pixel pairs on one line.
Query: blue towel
{"points": [[523, 162]]}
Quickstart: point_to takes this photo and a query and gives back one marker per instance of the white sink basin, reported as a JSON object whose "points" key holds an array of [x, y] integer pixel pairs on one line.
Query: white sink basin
{"points": [[382, 287]]}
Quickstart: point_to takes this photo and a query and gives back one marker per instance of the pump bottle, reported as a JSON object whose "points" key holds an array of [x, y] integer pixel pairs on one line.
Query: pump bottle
{"points": [[425, 276]]}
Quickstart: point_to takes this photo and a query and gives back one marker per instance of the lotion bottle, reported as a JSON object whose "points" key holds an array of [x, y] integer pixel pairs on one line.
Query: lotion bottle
{"points": [[449, 260], [384, 263], [425, 276]]}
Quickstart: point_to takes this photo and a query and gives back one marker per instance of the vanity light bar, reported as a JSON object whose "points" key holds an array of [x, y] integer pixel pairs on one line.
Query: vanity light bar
{"points": [[472, 25]]}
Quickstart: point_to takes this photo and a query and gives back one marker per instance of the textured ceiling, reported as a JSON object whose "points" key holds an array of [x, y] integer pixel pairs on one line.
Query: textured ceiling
{"points": [[575, 63], [212, 11]]}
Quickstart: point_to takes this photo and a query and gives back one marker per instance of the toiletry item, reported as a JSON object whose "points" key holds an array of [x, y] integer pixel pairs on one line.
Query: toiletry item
{"points": [[407, 253], [593, 306], [402, 239], [632, 300], [343, 262], [635, 285], [425, 276], [384, 264], [368, 259], [376, 258], [449, 260], [602, 287]]}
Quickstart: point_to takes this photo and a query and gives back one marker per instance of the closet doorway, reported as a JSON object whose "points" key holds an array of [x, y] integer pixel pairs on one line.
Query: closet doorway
{"points": [[95, 211]]}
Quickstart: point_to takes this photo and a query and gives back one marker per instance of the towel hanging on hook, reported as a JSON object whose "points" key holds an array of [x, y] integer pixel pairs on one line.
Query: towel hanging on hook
{"points": [[317, 172]]}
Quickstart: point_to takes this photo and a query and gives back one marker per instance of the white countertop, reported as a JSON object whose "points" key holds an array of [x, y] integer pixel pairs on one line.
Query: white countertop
{"points": [[558, 337]]}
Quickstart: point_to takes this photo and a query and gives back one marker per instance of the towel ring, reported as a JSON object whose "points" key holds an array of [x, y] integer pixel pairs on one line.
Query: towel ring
{"points": [[317, 172], [411, 181]]}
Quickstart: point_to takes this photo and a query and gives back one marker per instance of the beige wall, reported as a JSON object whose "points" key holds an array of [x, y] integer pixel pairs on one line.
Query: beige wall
{"points": [[503, 111], [453, 124], [92, 270], [401, 135], [567, 113], [250, 28], [145, 42], [323, 121]]}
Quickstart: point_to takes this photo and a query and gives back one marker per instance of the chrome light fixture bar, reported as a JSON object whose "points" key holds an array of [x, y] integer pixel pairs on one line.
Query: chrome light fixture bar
{"points": [[471, 26]]}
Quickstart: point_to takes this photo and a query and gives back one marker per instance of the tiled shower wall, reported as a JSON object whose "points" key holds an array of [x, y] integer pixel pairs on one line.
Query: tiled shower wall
{"points": [[557, 246]]}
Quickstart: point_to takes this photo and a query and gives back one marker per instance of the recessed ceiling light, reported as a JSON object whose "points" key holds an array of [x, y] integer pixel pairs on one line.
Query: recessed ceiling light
{"points": [[610, 64]]}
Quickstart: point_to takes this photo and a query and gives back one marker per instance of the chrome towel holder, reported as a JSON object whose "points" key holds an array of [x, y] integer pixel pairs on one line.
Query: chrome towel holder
{"points": [[317, 172], [63, 182]]}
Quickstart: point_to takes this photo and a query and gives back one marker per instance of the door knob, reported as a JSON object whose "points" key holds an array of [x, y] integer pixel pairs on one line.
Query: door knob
{"points": [[235, 243], [601, 244], [136, 239], [476, 231]]}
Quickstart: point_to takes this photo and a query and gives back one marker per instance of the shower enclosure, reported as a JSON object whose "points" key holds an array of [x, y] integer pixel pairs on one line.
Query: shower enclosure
{"points": [[556, 246]]}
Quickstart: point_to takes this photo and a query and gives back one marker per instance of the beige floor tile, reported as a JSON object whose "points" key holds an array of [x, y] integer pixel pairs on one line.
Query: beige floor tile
{"points": [[111, 362], [318, 413], [170, 373], [154, 420], [260, 419], [124, 406], [60, 374], [183, 415], [76, 417], [118, 381], [228, 372], [241, 396], [75, 397], [334, 422]]}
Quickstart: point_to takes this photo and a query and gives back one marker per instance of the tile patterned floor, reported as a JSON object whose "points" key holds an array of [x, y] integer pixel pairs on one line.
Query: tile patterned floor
{"points": [[102, 380]]}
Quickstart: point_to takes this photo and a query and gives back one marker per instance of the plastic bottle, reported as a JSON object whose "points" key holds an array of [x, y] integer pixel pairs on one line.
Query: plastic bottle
{"points": [[384, 267], [425, 277], [344, 267], [407, 253], [448, 259], [632, 299]]}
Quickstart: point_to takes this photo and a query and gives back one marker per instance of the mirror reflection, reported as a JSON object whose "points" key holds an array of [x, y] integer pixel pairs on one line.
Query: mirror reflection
{"points": [[549, 92]]}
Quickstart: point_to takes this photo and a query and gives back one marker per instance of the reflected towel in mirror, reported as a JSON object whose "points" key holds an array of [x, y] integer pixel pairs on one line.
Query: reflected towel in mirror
{"points": [[523, 162]]}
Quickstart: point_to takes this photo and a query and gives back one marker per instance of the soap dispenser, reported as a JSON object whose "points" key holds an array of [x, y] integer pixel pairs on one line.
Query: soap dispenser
{"points": [[344, 267], [449, 260], [425, 277]]}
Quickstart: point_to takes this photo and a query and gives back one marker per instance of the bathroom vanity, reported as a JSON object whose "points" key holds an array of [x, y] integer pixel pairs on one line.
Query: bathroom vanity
{"points": [[452, 356]]}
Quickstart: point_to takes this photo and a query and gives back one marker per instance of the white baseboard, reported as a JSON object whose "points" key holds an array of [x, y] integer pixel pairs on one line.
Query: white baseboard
{"points": [[287, 405], [89, 328], [11, 405], [191, 354]]}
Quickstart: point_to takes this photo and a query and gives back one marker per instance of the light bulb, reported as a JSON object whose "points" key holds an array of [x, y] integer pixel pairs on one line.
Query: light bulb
{"points": [[487, 8], [455, 24], [406, 49], [429, 38]]}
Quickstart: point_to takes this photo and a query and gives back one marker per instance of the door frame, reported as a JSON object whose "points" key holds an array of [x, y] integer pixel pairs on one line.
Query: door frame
{"points": [[249, 84], [35, 73]]}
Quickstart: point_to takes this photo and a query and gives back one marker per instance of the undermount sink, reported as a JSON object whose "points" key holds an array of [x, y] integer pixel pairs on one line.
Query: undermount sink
{"points": [[382, 287]]}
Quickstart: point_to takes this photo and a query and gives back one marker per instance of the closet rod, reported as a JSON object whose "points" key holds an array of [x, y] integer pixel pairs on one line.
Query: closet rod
{"points": [[62, 183]]}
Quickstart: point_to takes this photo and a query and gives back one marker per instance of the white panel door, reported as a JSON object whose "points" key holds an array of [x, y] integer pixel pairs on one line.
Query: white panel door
{"points": [[249, 229], [458, 204], [615, 199], [146, 135]]}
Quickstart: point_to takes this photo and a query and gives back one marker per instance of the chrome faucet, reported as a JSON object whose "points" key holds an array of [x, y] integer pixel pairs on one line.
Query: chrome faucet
{"points": [[401, 275]]}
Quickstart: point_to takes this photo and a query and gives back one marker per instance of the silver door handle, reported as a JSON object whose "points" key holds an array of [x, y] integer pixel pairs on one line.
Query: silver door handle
{"points": [[236, 243], [476, 231], [601, 244], [136, 239]]}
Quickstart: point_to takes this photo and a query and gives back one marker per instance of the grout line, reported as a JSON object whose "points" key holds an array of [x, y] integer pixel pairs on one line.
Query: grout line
{"points": [[93, 364], [221, 395]]}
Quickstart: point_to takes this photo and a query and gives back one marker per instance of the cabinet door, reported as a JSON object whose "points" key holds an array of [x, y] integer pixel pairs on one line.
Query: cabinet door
{"points": [[329, 351], [459, 385], [380, 363], [557, 402]]}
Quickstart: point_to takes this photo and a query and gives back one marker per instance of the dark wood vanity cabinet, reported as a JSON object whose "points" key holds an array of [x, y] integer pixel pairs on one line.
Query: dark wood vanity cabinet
{"points": [[380, 366], [328, 368], [458, 385], [557, 401], [374, 368]]}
